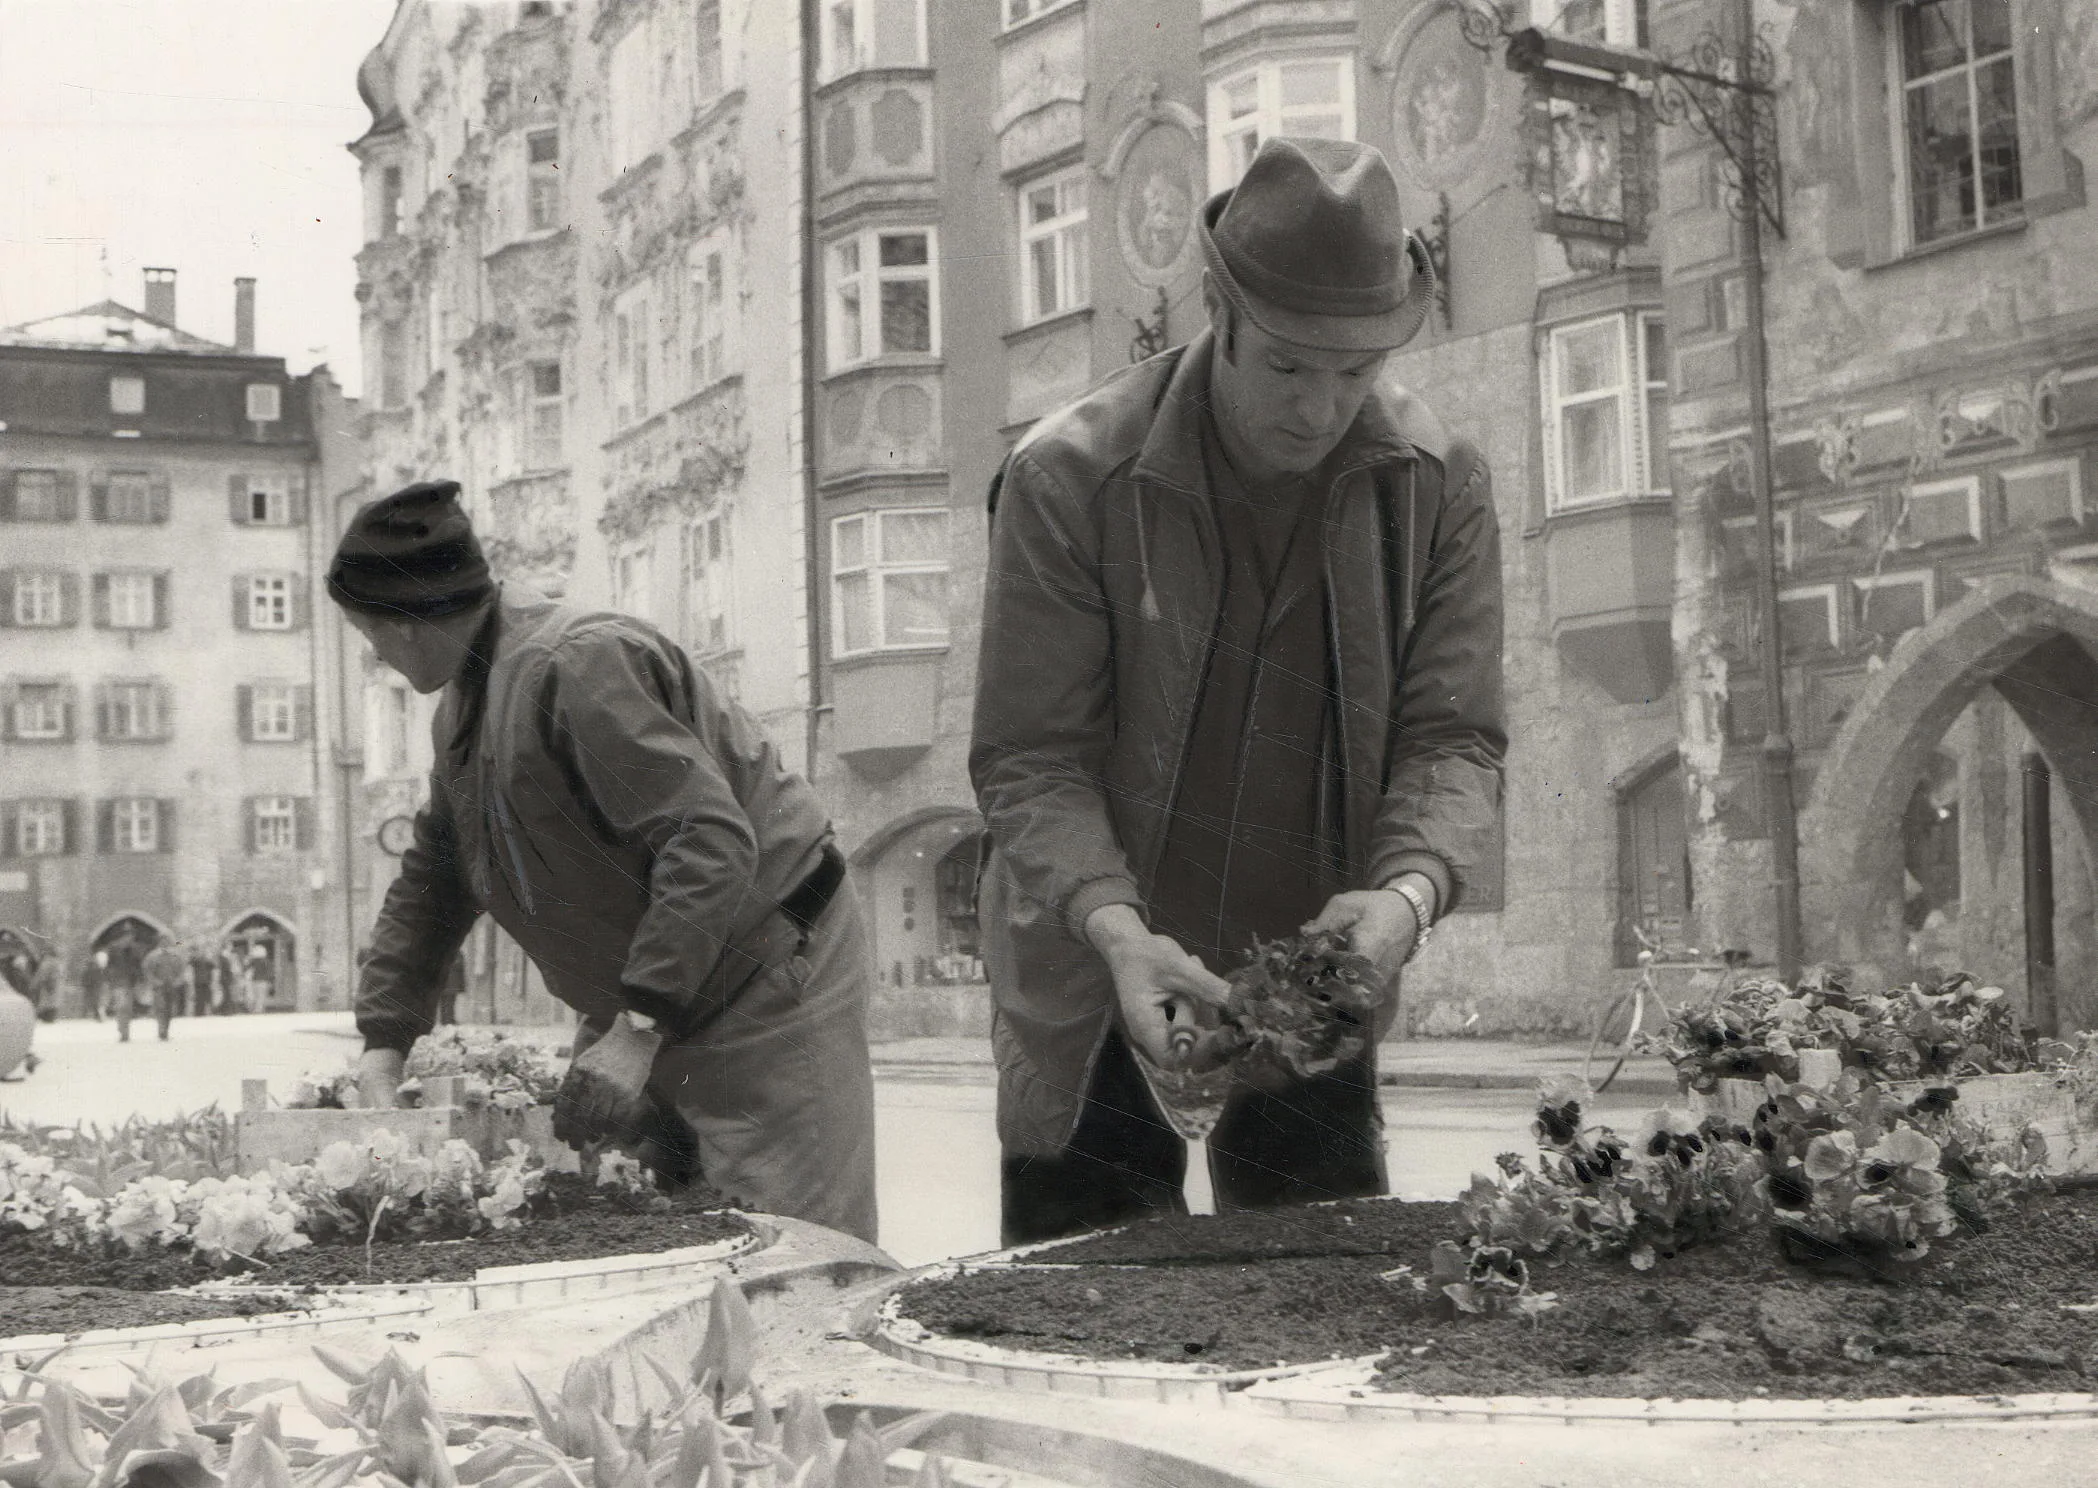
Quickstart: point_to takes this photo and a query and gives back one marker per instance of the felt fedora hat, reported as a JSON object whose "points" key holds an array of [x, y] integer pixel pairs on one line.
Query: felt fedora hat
{"points": [[1309, 246]]}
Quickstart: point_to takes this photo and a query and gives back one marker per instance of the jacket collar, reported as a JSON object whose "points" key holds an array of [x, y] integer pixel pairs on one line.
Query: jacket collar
{"points": [[1172, 452]]}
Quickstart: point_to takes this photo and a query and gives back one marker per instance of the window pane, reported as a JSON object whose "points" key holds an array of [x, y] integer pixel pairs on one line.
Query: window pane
{"points": [[849, 543], [850, 334], [1583, 20], [1244, 146], [1931, 38], [1591, 449], [906, 316], [1992, 27], [1041, 205], [127, 395], [1316, 126], [1590, 359], [904, 250], [914, 609], [544, 147], [1997, 100], [1041, 268], [546, 379], [855, 622], [1310, 82], [1941, 158], [846, 256], [1655, 331], [914, 537], [1242, 96]]}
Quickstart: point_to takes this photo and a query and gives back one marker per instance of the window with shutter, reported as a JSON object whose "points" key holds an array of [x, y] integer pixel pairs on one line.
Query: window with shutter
{"points": [[105, 826], [244, 710], [275, 824], [241, 601], [39, 830]]}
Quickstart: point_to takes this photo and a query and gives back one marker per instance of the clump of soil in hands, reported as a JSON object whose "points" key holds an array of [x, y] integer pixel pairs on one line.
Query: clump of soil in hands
{"points": [[1981, 1314]]}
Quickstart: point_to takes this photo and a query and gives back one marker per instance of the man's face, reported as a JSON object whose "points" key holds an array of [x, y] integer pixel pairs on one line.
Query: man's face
{"points": [[1283, 408], [411, 647]]}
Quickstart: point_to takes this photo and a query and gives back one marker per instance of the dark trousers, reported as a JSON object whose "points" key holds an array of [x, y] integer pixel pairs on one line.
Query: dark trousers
{"points": [[1319, 1139]]}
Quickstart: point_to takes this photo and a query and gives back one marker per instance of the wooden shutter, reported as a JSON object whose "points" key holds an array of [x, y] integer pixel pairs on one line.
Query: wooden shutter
{"points": [[105, 826], [68, 496], [161, 595], [240, 601], [98, 496], [69, 599], [301, 603], [102, 710], [7, 495], [166, 843], [9, 696], [69, 707], [247, 823], [164, 706], [7, 595], [244, 711], [10, 828], [237, 498], [302, 823], [69, 813], [302, 713], [101, 601], [160, 499]]}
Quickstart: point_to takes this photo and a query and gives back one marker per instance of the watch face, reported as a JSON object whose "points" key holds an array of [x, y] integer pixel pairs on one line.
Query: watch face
{"points": [[396, 834]]}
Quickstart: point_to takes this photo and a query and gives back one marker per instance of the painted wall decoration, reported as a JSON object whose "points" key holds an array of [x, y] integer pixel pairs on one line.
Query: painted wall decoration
{"points": [[1157, 194], [1443, 99]]}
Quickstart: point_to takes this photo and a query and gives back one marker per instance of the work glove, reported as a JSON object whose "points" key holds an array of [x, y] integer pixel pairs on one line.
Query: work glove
{"points": [[604, 1097]]}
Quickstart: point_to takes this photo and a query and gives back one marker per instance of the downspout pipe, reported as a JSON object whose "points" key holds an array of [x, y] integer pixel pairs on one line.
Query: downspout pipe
{"points": [[812, 514]]}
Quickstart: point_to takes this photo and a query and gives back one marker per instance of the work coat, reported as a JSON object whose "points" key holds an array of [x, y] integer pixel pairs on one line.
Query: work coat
{"points": [[1102, 602], [631, 829]]}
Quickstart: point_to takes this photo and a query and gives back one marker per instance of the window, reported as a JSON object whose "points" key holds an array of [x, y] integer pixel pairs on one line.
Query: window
{"points": [[275, 823], [1605, 409], [1052, 246], [43, 496], [265, 402], [707, 293], [1653, 861], [273, 713], [127, 395], [888, 581], [543, 180], [40, 598], [135, 825], [42, 710], [631, 343], [133, 711], [269, 602], [706, 69], [1611, 23], [128, 600], [1958, 123], [884, 297], [390, 191], [263, 500], [707, 585], [631, 589], [1019, 12], [40, 829], [543, 416], [1311, 97], [648, 88], [858, 34], [130, 496]]}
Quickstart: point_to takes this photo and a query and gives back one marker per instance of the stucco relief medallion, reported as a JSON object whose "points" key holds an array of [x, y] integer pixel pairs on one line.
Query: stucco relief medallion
{"points": [[1157, 194], [1442, 99]]}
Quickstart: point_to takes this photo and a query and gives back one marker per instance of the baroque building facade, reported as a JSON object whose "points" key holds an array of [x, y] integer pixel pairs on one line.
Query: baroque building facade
{"points": [[165, 700]]}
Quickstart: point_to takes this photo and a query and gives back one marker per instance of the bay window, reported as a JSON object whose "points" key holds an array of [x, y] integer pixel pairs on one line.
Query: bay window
{"points": [[884, 296], [1957, 129], [1053, 246], [1605, 410], [889, 581], [1307, 97], [858, 34]]}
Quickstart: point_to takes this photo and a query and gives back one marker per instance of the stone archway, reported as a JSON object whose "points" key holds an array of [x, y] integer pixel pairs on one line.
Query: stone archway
{"points": [[916, 877], [2031, 639], [264, 955]]}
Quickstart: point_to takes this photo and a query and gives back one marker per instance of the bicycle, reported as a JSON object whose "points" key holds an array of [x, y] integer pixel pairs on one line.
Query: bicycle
{"points": [[1626, 1015]]}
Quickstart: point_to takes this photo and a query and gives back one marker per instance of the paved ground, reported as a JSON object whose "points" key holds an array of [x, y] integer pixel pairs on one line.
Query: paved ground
{"points": [[1461, 1102]]}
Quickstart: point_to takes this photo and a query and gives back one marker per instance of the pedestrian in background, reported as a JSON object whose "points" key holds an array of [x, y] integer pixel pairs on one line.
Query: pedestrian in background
{"points": [[229, 982], [94, 983], [44, 988], [203, 978], [1240, 674], [167, 982]]}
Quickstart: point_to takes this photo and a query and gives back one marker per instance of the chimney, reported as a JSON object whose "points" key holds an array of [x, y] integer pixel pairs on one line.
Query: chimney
{"points": [[160, 295], [244, 316]]}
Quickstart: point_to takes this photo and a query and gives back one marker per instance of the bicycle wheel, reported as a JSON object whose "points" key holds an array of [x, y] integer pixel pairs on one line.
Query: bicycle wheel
{"points": [[1615, 1031]]}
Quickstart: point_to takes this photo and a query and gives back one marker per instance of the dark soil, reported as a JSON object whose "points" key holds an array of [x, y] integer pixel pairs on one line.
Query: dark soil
{"points": [[37, 1309], [1981, 1314], [571, 1221]]}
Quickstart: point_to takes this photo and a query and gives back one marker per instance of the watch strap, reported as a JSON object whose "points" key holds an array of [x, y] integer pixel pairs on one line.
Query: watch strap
{"points": [[1424, 923]]}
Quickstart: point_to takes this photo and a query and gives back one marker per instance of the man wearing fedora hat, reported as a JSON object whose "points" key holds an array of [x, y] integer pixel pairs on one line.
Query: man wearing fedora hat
{"points": [[637, 834], [1240, 673]]}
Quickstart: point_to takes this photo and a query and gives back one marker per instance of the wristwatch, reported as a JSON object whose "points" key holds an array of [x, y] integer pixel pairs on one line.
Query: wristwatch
{"points": [[1422, 918]]}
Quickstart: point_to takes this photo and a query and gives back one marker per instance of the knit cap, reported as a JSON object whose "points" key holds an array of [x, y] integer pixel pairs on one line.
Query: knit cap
{"points": [[411, 553]]}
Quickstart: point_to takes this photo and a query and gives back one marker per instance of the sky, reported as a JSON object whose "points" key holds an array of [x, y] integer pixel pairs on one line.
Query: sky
{"points": [[204, 136]]}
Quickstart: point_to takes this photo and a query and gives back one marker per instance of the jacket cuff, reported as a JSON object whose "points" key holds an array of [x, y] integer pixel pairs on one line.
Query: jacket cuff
{"points": [[1428, 866], [1095, 894], [389, 1036], [673, 1015]]}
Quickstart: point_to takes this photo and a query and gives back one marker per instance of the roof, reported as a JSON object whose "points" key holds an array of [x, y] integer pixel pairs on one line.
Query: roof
{"points": [[108, 326]]}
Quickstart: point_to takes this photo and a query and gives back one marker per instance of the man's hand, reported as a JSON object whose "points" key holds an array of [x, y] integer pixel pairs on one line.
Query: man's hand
{"points": [[603, 1097], [1378, 923], [379, 1078], [1168, 998]]}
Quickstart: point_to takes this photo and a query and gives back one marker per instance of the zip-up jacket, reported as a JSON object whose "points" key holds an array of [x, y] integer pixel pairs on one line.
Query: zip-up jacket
{"points": [[1101, 604]]}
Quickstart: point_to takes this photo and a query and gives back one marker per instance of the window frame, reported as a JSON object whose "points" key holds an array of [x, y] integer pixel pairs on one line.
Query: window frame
{"points": [[830, 67], [271, 397], [1624, 23], [708, 589], [56, 489], [134, 481], [125, 818], [1270, 116], [875, 568], [542, 181], [1070, 239], [1035, 10], [263, 701], [144, 706], [150, 585], [545, 416], [260, 814], [57, 580], [709, 280], [281, 586], [48, 811], [127, 382], [870, 277], [1636, 437], [1900, 85], [60, 702]]}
